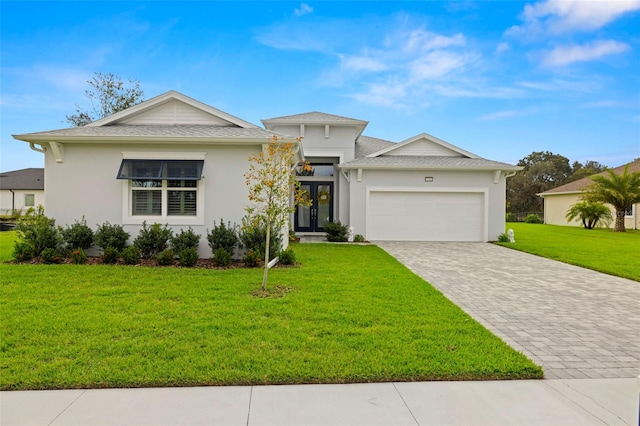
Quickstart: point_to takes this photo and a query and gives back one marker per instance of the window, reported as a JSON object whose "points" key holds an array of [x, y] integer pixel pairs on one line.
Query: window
{"points": [[162, 188], [629, 211], [29, 200]]}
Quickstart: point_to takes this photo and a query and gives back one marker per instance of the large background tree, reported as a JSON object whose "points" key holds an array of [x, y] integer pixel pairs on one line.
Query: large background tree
{"points": [[619, 190], [107, 94], [543, 170]]}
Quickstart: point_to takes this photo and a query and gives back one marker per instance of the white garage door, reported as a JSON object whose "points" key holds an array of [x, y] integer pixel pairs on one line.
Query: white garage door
{"points": [[426, 216]]}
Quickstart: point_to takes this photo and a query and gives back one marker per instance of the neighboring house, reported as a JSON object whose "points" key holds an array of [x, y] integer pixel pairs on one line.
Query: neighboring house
{"points": [[558, 200], [21, 189], [177, 161]]}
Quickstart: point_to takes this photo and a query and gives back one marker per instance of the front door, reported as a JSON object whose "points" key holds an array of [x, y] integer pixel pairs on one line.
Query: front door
{"points": [[314, 217]]}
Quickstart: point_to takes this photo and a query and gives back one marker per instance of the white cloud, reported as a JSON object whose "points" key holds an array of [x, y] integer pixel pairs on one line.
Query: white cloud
{"points": [[438, 64], [362, 63], [502, 47], [501, 115], [565, 55], [421, 40], [304, 9], [561, 16]]}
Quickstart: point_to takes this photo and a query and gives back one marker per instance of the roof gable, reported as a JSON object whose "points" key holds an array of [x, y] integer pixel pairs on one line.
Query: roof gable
{"points": [[172, 108], [315, 117], [423, 145]]}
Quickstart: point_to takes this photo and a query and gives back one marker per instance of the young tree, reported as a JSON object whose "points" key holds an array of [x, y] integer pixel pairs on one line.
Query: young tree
{"points": [[272, 183], [619, 190], [591, 213], [108, 94]]}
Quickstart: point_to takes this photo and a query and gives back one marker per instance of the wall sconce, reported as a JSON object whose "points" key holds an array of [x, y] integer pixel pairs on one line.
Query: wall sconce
{"points": [[428, 178]]}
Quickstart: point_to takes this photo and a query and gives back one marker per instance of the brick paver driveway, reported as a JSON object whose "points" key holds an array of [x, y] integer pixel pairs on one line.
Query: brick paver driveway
{"points": [[574, 322]]}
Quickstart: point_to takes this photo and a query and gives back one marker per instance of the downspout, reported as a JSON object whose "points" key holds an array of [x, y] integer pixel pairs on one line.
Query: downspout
{"points": [[13, 201], [33, 147]]}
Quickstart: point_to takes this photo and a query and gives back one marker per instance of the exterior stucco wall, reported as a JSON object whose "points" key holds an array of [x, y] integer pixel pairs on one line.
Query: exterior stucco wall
{"points": [[340, 143], [9, 201], [85, 184], [556, 206], [478, 181]]}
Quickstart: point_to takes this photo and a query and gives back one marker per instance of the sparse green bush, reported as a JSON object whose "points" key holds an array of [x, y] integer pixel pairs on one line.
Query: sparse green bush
{"points": [[503, 238], [153, 239], [510, 217], [185, 239], [39, 231], [223, 236], [78, 235], [188, 257], [336, 231], [253, 236], [50, 255], [358, 238], [287, 257], [110, 255], [165, 257], [222, 257], [532, 218], [23, 251], [130, 255], [108, 235], [252, 259], [78, 256]]}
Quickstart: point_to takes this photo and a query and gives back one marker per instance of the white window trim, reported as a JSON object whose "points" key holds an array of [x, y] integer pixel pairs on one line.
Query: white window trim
{"points": [[129, 219]]}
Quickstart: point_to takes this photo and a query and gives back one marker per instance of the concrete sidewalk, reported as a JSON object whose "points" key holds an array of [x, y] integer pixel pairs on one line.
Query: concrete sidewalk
{"points": [[533, 402]]}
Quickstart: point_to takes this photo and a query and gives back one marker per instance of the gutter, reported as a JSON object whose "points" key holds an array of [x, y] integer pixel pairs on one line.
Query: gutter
{"points": [[32, 145]]}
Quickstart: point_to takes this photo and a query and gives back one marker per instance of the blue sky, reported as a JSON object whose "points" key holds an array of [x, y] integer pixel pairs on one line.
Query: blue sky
{"points": [[499, 79]]}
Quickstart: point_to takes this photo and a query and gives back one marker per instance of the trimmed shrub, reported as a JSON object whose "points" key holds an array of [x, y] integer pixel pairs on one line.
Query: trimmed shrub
{"points": [[110, 255], [251, 259], [39, 231], [108, 235], [188, 257], [185, 239], [222, 257], [287, 257], [130, 255], [78, 257], [23, 251], [165, 257], [78, 235], [336, 231], [503, 238], [50, 255], [253, 236], [532, 218], [223, 236], [358, 238], [152, 240]]}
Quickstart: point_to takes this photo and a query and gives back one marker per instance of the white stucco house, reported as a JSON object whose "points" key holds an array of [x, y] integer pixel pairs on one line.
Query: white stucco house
{"points": [[175, 160], [21, 190]]}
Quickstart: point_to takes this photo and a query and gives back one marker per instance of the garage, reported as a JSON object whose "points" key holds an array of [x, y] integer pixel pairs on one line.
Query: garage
{"points": [[409, 215]]}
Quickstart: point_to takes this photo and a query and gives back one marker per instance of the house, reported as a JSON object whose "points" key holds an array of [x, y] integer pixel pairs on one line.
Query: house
{"points": [[21, 189], [558, 200], [175, 160]]}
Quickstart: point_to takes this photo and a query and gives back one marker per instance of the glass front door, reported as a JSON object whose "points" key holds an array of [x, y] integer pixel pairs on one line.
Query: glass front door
{"points": [[314, 217]]}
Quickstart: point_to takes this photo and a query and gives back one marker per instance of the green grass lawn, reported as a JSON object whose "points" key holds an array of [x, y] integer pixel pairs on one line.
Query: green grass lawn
{"points": [[355, 315], [603, 250]]}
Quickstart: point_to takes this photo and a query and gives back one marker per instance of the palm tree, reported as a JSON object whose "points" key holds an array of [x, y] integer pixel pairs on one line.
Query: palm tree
{"points": [[619, 190], [591, 213]]}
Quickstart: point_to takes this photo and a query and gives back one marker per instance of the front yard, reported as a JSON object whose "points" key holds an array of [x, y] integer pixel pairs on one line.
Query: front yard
{"points": [[354, 314], [603, 250]]}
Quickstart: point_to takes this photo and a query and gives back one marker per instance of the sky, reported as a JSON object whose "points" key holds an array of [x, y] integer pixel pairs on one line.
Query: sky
{"points": [[500, 79]]}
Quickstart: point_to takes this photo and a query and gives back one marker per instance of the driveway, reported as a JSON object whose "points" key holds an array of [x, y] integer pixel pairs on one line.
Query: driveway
{"points": [[574, 322]]}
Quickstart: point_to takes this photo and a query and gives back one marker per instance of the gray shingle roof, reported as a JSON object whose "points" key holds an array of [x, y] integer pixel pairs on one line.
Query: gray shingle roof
{"points": [[366, 145], [32, 178], [315, 116], [580, 184], [427, 162], [157, 131]]}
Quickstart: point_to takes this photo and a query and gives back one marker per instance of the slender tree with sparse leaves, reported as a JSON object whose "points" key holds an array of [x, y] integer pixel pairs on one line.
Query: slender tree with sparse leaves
{"points": [[619, 190], [273, 190], [107, 94]]}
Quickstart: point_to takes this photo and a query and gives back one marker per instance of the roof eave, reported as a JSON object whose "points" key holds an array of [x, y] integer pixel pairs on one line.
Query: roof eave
{"points": [[421, 167]]}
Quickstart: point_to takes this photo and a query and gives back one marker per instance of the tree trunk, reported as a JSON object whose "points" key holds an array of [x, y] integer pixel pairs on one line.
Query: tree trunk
{"points": [[265, 272], [619, 226]]}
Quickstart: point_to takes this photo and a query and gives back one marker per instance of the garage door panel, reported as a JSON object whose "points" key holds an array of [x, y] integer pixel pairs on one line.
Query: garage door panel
{"points": [[426, 216]]}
